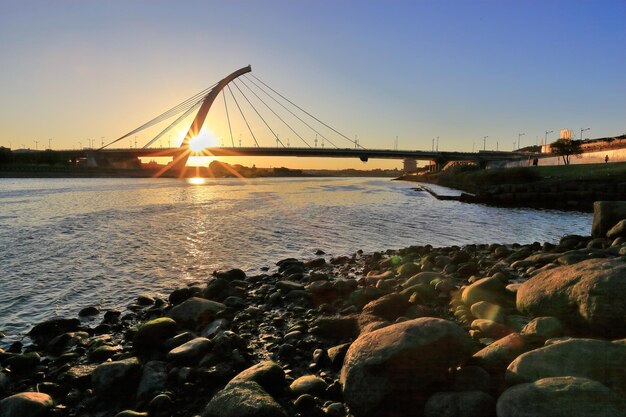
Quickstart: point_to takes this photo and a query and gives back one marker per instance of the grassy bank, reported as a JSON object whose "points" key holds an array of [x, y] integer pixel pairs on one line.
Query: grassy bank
{"points": [[474, 180]]}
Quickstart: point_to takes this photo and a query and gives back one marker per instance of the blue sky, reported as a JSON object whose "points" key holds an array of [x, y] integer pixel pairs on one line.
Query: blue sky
{"points": [[460, 70]]}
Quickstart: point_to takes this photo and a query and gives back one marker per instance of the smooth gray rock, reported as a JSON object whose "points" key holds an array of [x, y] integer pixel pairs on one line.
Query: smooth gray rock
{"points": [[120, 377], [190, 352], [267, 374], [243, 399], [560, 397], [153, 380], [599, 360], [195, 311], [397, 365], [589, 294]]}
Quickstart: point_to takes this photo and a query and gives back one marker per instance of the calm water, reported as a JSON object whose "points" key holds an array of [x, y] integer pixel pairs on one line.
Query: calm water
{"points": [[69, 243]]}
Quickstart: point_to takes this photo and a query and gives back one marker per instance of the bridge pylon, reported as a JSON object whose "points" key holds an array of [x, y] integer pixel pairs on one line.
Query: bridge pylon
{"points": [[180, 159]]}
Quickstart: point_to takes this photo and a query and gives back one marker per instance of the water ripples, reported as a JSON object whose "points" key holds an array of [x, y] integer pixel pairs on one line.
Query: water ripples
{"points": [[70, 243]]}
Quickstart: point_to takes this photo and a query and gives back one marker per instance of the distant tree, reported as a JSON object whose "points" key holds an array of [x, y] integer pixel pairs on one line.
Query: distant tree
{"points": [[565, 148], [6, 156]]}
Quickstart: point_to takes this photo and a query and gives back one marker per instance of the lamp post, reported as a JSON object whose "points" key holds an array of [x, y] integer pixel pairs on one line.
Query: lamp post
{"points": [[437, 143], [49, 143], [519, 139], [433, 145], [546, 136], [485, 143], [36, 143], [583, 130]]}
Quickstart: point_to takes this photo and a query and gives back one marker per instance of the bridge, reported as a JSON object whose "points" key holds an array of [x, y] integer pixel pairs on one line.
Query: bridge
{"points": [[301, 124]]}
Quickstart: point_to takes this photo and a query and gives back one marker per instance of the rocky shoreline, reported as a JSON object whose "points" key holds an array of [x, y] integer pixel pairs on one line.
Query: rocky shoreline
{"points": [[479, 330]]}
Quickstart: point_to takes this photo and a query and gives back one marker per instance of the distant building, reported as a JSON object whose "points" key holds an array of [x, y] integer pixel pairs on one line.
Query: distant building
{"points": [[566, 134], [410, 165]]}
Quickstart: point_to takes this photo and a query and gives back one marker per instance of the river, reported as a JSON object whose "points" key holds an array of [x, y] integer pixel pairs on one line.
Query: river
{"points": [[69, 243]]}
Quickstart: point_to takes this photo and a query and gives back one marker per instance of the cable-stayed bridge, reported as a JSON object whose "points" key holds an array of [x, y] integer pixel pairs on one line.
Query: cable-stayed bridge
{"points": [[261, 112]]}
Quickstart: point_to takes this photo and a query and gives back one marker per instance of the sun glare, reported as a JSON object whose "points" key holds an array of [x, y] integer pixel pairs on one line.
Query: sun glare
{"points": [[205, 139], [196, 181]]}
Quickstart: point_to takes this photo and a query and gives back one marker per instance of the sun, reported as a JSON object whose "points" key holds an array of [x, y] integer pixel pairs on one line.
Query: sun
{"points": [[205, 139]]}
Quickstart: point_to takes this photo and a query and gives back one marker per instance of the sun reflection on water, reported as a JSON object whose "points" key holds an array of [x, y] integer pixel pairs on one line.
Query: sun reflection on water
{"points": [[196, 181]]}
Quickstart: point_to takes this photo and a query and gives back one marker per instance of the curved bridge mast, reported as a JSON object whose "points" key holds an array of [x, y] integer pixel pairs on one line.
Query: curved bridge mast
{"points": [[180, 160]]}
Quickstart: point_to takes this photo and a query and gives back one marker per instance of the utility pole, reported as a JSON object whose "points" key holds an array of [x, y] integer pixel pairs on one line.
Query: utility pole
{"points": [[485, 143], [356, 141], [437, 143], [433, 145], [546, 136], [583, 130], [519, 139], [36, 143], [322, 142], [315, 140], [49, 143]]}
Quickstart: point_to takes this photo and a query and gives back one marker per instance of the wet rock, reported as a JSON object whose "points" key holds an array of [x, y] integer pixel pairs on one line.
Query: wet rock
{"points": [[589, 293], [153, 380], [243, 399], [308, 384], [191, 352], [145, 300], [315, 263], [179, 295], [267, 374], [151, 335], [116, 378], [559, 397], [195, 311], [102, 353], [460, 404], [89, 311], [44, 332], [599, 360], [231, 274], [23, 364], [26, 404], [397, 365]]}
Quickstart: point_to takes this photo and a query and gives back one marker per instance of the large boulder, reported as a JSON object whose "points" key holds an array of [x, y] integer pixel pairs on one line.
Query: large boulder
{"points": [[559, 397], [195, 311], [243, 399], [589, 294], [606, 214], [587, 358], [391, 372], [26, 404], [491, 289]]}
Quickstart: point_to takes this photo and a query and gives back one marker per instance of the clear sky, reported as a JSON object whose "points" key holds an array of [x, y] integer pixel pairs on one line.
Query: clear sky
{"points": [[461, 70]]}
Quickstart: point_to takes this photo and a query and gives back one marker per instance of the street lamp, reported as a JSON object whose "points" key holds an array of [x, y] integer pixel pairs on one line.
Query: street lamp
{"points": [[485, 143], [437, 143], [36, 143], [49, 143], [519, 139], [583, 130], [546, 136], [433, 145]]}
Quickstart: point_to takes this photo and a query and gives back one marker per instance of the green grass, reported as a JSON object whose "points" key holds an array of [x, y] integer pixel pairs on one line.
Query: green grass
{"points": [[473, 179]]}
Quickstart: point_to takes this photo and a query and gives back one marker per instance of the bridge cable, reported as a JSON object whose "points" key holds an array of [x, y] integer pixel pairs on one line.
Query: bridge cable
{"points": [[257, 112], [190, 102], [228, 118], [309, 114], [292, 113], [242, 115], [275, 114], [174, 123]]}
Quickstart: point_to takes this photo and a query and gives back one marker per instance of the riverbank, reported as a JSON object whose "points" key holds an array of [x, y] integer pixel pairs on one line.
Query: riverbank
{"points": [[479, 328], [571, 187]]}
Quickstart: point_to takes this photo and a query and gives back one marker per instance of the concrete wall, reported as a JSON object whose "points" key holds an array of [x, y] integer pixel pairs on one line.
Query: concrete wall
{"points": [[615, 155]]}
